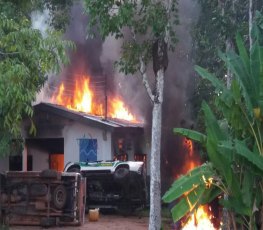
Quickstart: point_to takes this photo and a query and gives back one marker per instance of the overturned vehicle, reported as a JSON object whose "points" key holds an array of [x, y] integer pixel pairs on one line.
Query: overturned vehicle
{"points": [[119, 185], [44, 198]]}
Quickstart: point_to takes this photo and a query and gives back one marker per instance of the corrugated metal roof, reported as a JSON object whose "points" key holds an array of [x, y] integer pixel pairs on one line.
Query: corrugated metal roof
{"points": [[112, 122]]}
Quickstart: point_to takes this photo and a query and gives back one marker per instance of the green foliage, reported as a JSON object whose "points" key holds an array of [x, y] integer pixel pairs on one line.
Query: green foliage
{"points": [[188, 182], [233, 144], [215, 29], [58, 11], [194, 135], [25, 60], [192, 189]]}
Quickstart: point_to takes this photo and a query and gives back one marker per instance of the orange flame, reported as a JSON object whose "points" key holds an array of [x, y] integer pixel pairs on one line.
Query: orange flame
{"points": [[82, 99], [83, 96], [118, 110], [200, 219], [189, 145], [191, 159]]}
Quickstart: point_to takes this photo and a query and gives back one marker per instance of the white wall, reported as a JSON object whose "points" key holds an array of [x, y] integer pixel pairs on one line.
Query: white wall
{"points": [[77, 131], [40, 159], [4, 164]]}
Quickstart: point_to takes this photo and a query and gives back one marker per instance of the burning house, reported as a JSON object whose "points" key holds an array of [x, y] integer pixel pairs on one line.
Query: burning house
{"points": [[78, 126], [64, 135]]}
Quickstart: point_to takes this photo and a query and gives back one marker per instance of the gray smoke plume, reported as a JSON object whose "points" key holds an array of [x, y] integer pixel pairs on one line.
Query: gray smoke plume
{"points": [[179, 83], [178, 89], [129, 87], [85, 60]]}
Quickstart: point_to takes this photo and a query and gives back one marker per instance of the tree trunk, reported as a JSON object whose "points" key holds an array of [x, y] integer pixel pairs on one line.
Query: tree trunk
{"points": [[155, 173]]}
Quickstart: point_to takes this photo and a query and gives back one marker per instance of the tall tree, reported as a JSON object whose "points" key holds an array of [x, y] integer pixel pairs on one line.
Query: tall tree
{"points": [[25, 59], [147, 31]]}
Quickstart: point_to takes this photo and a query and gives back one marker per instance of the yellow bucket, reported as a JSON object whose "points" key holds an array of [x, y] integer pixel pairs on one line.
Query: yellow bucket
{"points": [[93, 214]]}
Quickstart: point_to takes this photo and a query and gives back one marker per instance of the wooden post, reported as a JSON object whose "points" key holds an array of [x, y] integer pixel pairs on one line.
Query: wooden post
{"points": [[24, 157]]}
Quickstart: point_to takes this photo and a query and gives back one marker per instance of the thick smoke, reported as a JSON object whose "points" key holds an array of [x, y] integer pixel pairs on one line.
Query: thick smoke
{"points": [[96, 58], [179, 82], [84, 60], [129, 87]]}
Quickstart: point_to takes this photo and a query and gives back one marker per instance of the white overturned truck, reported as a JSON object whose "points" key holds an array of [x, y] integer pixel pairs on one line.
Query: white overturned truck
{"points": [[119, 185]]}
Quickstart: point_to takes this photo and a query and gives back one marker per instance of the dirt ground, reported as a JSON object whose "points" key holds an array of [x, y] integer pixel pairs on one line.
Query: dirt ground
{"points": [[105, 222]]}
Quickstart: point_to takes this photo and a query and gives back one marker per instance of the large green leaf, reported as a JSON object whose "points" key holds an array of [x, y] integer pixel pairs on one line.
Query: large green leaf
{"points": [[257, 71], [213, 129], [222, 163], [214, 135], [255, 68], [255, 159], [234, 62], [247, 189], [187, 203], [226, 149], [219, 86], [191, 134], [210, 194], [188, 182], [211, 77], [243, 52]]}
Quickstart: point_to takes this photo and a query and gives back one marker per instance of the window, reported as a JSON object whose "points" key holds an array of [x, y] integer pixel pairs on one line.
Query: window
{"points": [[87, 149]]}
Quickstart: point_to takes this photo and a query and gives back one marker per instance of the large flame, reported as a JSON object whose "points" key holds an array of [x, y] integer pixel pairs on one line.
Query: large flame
{"points": [[201, 218], [191, 159], [119, 110], [82, 99]]}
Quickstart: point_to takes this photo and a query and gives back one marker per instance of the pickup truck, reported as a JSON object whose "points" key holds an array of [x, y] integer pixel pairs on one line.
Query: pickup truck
{"points": [[119, 185]]}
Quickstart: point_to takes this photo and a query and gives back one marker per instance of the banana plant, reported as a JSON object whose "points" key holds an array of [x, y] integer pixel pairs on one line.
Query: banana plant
{"points": [[233, 143]]}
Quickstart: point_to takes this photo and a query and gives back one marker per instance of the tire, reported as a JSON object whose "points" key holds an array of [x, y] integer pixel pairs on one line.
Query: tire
{"points": [[59, 196], [121, 174], [74, 169]]}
